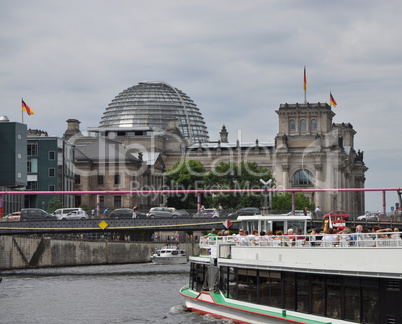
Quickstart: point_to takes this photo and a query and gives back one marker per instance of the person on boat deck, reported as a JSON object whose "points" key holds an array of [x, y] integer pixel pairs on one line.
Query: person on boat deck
{"points": [[299, 233], [290, 234], [242, 238], [314, 236], [213, 233], [330, 237], [396, 235], [264, 236], [254, 237], [278, 235]]}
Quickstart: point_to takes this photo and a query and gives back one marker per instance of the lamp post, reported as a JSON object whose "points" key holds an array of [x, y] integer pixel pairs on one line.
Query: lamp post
{"points": [[266, 184]]}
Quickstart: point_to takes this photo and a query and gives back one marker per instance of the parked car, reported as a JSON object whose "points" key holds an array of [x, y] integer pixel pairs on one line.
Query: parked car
{"points": [[337, 214], [210, 213], [35, 214], [370, 217], [163, 212], [77, 214], [182, 213], [300, 213], [62, 213], [122, 213], [245, 212], [13, 217]]}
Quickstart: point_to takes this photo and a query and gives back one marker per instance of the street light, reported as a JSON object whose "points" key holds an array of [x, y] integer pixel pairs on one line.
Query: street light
{"points": [[266, 184]]}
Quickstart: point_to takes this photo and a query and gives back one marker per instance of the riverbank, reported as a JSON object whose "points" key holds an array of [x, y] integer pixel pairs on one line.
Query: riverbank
{"points": [[20, 252]]}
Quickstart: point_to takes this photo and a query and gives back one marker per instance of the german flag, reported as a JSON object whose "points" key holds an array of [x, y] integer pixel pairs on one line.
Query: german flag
{"points": [[332, 101], [305, 80], [26, 108]]}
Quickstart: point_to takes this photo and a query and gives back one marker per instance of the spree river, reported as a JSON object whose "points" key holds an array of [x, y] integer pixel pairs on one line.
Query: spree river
{"points": [[117, 294]]}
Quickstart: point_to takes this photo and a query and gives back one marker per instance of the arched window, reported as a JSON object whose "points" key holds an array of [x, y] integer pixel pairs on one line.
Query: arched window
{"points": [[313, 123], [292, 125], [303, 125], [303, 177]]}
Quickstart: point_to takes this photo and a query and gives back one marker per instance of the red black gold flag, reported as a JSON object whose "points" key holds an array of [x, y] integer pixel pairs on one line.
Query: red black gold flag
{"points": [[305, 80], [26, 108], [332, 101]]}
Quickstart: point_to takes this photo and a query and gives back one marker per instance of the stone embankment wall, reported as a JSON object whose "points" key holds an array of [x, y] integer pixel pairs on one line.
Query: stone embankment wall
{"points": [[25, 252]]}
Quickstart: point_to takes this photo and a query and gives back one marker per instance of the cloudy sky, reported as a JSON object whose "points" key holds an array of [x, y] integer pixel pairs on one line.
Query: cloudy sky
{"points": [[238, 61]]}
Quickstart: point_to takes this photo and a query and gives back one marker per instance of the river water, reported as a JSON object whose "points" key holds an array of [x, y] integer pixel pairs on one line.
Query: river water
{"points": [[113, 294]]}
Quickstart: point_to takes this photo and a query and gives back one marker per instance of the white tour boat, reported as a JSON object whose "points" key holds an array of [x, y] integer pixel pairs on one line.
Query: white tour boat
{"points": [[169, 255], [353, 278]]}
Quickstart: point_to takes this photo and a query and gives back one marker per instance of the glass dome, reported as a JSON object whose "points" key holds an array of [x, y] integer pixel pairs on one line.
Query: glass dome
{"points": [[153, 103]]}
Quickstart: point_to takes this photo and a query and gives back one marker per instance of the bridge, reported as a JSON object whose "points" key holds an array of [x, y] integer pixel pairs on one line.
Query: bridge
{"points": [[98, 225]]}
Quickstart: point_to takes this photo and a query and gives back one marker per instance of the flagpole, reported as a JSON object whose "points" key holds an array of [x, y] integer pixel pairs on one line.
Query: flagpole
{"points": [[22, 113], [305, 86]]}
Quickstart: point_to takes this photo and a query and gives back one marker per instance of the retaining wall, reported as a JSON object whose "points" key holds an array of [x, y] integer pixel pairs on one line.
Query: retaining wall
{"points": [[25, 252]]}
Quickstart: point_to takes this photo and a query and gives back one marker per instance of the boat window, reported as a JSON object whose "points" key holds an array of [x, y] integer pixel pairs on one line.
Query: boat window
{"points": [[289, 288], [247, 285], [352, 303], [175, 252]]}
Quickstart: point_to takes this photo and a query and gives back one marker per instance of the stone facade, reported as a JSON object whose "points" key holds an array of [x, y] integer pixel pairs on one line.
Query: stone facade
{"points": [[308, 152]]}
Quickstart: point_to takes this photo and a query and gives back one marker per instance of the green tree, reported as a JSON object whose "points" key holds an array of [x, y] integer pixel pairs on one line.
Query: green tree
{"points": [[185, 175], [245, 175], [282, 202], [54, 204]]}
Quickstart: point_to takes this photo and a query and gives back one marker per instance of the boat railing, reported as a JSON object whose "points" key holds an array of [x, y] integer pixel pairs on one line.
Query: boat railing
{"points": [[356, 240]]}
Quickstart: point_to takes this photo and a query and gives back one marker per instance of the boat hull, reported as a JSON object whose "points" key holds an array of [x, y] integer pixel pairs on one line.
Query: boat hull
{"points": [[217, 306], [169, 259]]}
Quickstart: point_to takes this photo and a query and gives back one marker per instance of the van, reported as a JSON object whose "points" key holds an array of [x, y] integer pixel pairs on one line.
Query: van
{"points": [[62, 213], [34, 214]]}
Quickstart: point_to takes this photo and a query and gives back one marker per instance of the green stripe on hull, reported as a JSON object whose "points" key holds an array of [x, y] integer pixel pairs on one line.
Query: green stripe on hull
{"points": [[220, 300]]}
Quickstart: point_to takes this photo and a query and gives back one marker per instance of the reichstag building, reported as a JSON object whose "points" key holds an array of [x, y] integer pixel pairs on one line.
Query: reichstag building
{"points": [[148, 127]]}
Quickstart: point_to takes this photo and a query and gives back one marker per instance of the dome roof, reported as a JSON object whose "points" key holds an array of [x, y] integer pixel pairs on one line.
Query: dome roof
{"points": [[153, 103]]}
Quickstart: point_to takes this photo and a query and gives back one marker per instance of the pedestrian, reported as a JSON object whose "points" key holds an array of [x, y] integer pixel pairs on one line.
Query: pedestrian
{"points": [[93, 212], [317, 211], [305, 210]]}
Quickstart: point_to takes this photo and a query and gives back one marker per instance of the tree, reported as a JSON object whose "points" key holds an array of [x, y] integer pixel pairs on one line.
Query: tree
{"points": [[185, 175], [54, 204], [245, 175], [282, 202]]}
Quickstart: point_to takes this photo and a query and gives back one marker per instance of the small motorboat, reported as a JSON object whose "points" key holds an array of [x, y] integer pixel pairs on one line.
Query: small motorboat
{"points": [[169, 255]]}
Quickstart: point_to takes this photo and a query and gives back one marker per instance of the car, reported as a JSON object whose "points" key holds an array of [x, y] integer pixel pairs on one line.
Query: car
{"points": [[245, 212], [337, 214], [13, 217], [300, 213], [122, 213], [35, 214], [209, 213], [77, 214], [182, 213], [62, 213], [370, 217], [162, 212]]}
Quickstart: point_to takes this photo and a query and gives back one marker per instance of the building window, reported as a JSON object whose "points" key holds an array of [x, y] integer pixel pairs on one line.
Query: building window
{"points": [[51, 187], [32, 185], [32, 149], [100, 179], [101, 201], [292, 125], [303, 177], [117, 201], [19, 155], [29, 166], [52, 155], [303, 125], [51, 172], [117, 179], [313, 124], [77, 179]]}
